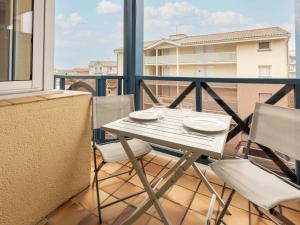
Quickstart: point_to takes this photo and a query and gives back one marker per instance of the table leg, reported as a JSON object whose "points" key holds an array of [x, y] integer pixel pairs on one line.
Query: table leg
{"points": [[209, 186], [146, 184], [186, 163]]}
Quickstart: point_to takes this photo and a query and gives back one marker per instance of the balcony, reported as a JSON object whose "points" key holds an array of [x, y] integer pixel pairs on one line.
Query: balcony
{"points": [[186, 203], [193, 59]]}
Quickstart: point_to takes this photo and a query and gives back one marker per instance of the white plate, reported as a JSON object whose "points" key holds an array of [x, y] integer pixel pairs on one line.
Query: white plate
{"points": [[144, 115], [204, 124]]}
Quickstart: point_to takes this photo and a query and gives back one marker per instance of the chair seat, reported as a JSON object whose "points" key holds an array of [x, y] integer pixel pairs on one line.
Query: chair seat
{"points": [[115, 152], [257, 185]]}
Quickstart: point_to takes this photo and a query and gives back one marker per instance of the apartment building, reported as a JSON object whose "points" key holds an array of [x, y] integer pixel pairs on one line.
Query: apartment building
{"points": [[102, 67], [292, 64], [246, 53]]}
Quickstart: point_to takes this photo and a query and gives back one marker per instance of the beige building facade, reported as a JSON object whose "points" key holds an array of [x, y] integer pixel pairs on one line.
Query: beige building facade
{"points": [[247, 53]]}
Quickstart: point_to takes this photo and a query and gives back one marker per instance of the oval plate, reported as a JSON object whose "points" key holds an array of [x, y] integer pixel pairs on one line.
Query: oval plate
{"points": [[144, 115], [204, 124]]}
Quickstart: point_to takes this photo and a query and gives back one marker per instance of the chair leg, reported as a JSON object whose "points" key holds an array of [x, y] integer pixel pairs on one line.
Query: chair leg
{"points": [[142, 164], [130, 172], [279, 216], [224, 210], [96, 172], [257, 209], [95, 180]]}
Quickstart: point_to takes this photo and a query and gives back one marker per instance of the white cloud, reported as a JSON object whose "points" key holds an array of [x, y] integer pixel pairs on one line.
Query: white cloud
{"points": [[188, 18], [228, 17], [107, 6], [68, 21]]}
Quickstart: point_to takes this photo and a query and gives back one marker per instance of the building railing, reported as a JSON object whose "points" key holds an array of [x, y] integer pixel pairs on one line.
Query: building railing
{"points": [[199, 84], [199, 58]]}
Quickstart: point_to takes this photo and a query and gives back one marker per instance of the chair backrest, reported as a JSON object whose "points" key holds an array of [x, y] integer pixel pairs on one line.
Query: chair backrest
{"points": [[107, 109], [277, 128]]}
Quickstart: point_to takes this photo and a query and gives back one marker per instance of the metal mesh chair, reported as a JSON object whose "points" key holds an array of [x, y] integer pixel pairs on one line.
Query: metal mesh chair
{"points": [[105, 110], [275, 128]]}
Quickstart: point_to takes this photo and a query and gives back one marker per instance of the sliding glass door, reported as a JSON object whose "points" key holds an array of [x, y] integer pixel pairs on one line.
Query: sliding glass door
{"points": [[16, 39]]}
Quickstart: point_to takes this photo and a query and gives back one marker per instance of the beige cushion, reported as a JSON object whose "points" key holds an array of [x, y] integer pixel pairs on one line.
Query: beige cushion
{"points": [[115, 152], [257, 185]]}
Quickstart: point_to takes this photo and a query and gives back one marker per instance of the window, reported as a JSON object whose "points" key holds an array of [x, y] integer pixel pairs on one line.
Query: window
{"points": [[166, 92], [266, 45], [22, 45], [263, 97], [264, 71]]}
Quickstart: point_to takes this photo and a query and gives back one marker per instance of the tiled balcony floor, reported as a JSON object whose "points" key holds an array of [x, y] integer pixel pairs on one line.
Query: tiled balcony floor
{"points": [[186, 203]]}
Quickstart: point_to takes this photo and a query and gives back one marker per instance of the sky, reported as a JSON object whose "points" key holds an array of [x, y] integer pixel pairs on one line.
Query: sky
{"points": [[88, 30]]}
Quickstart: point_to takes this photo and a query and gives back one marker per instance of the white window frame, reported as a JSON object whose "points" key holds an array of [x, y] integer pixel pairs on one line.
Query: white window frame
{"points": [[42, 55], [264, 49], [264, 67]]}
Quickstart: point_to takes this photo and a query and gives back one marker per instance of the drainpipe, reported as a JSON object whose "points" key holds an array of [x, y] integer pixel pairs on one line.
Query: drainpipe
{"points": [[156, 71], [297, 87], [177, 68]]}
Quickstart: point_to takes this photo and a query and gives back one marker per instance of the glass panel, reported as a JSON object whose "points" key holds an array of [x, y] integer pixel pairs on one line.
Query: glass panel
{"points": [[5, 37], [16, 39], [22, 54]]}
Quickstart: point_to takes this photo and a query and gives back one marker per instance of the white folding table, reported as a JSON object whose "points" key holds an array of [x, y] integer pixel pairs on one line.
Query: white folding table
{"points": [[170, 132]]}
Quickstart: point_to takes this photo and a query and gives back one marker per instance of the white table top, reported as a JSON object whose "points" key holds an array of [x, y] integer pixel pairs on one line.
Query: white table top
{"points": [[170, 132]]}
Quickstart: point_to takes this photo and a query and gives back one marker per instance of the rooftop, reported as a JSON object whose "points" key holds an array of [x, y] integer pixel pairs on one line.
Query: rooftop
{"points": [[102, 63], [183, 40]]}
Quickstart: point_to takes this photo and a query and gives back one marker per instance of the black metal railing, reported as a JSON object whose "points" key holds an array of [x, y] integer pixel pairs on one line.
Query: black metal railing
{"points": [[200, 84]]}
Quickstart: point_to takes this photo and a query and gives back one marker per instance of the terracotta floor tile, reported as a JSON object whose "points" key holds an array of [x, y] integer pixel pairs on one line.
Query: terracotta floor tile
{"points": [[136, 180], [171, 163], [127, 212], [111, 213], [154, 221], [292, 205], [153, 169], [212, 177], [161, 160], [77, 211], [152, 210], [237, 201], [111, 167], [188, 182], [127, 189], [174, 211], [203, 189], [201, 203], [135, 201], [70, 214], [124, 162], [149, 156], [239, 216], [292, 215], [125, 176], [180, 195], [257, 220], [111, 185], [89, 198], [190, 171], [194, 218]]}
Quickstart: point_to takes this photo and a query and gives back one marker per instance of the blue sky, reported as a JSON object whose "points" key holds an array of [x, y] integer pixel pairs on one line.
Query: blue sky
{"points": [[90, 29]]}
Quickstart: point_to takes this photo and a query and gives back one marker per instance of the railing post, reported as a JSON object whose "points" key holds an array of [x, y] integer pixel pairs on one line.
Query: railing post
{"points": [[138, 95], [100, 91], [198, 96], [62, 82], [120, 86], [133, 43], [297, 106], [297, 85]]}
